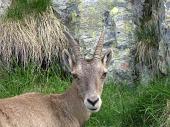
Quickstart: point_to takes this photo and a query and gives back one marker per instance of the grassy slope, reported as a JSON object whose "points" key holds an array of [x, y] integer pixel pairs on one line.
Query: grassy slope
{"points": [[122, 106], [139, 107]]}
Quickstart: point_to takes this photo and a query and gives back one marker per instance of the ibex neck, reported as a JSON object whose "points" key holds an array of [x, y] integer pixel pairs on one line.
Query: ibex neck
{"points": [[76, 104], [71, 104]]}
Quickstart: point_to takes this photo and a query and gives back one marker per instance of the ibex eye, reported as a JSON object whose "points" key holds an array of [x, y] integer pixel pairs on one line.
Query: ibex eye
{"points": [[104, 74]]}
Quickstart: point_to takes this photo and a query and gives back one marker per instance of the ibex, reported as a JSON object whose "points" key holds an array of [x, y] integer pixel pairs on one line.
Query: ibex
{"points": [[70, 109]]}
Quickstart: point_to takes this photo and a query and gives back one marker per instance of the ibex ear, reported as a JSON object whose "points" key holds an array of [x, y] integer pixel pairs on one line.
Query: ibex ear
{"points": [[67, 59], [107, 58]]}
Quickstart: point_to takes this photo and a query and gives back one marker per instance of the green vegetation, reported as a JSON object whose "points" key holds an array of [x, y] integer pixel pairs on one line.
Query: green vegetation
{"points": [[147, 49], [21, 8], [30, 79], [143, 106], [147, 44], [147, 34]]}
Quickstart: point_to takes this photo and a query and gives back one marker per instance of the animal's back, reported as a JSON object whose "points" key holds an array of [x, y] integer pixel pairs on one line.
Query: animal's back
{"points": [[26, 110], [30, 110]]}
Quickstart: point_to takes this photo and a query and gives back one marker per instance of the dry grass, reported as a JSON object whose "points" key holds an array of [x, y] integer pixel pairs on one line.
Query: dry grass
{"points": [[147, 45], [146, 54], [32, 39]]}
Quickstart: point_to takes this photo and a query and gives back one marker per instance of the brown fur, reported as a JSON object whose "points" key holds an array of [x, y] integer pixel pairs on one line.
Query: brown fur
{"points": [[38, 110]]}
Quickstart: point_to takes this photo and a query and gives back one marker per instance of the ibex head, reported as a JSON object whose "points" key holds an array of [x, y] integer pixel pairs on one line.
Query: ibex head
{"points": [[88, 75]]}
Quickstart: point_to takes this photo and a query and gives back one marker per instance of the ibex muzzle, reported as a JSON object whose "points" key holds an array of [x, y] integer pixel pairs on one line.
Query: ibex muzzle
{"points": [[88, 75]]}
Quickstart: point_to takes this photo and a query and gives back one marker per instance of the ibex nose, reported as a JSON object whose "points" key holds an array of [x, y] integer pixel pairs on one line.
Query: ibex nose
{"points": [[93, 101]]}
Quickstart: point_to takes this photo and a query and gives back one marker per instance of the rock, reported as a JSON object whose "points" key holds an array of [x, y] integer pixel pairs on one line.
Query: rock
{"points": [[124, 28], [95, 16], [69, 13], [4, 4], [138, 10], [167, 16], [160, 16], [162, 61]]}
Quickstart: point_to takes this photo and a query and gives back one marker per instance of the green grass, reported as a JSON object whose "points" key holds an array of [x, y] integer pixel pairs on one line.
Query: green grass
{"points": [[17, 81], [21, 8], [147, 34], [143, 106], [133, 107]]}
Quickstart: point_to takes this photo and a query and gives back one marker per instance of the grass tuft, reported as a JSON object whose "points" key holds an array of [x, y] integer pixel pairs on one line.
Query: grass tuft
{"points": [[34, 39], [147, 45], [21, 8]]}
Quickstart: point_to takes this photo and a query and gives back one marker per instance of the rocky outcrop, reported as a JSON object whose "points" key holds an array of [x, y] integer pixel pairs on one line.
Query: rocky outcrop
{"points": [[153, 12], [92, 18], [4, 4], [69, 13], [124, 34], [164, 45]]}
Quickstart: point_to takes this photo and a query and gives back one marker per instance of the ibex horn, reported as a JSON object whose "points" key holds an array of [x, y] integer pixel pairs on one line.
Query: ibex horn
{"points": [[98, 51], [74, 44]]}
